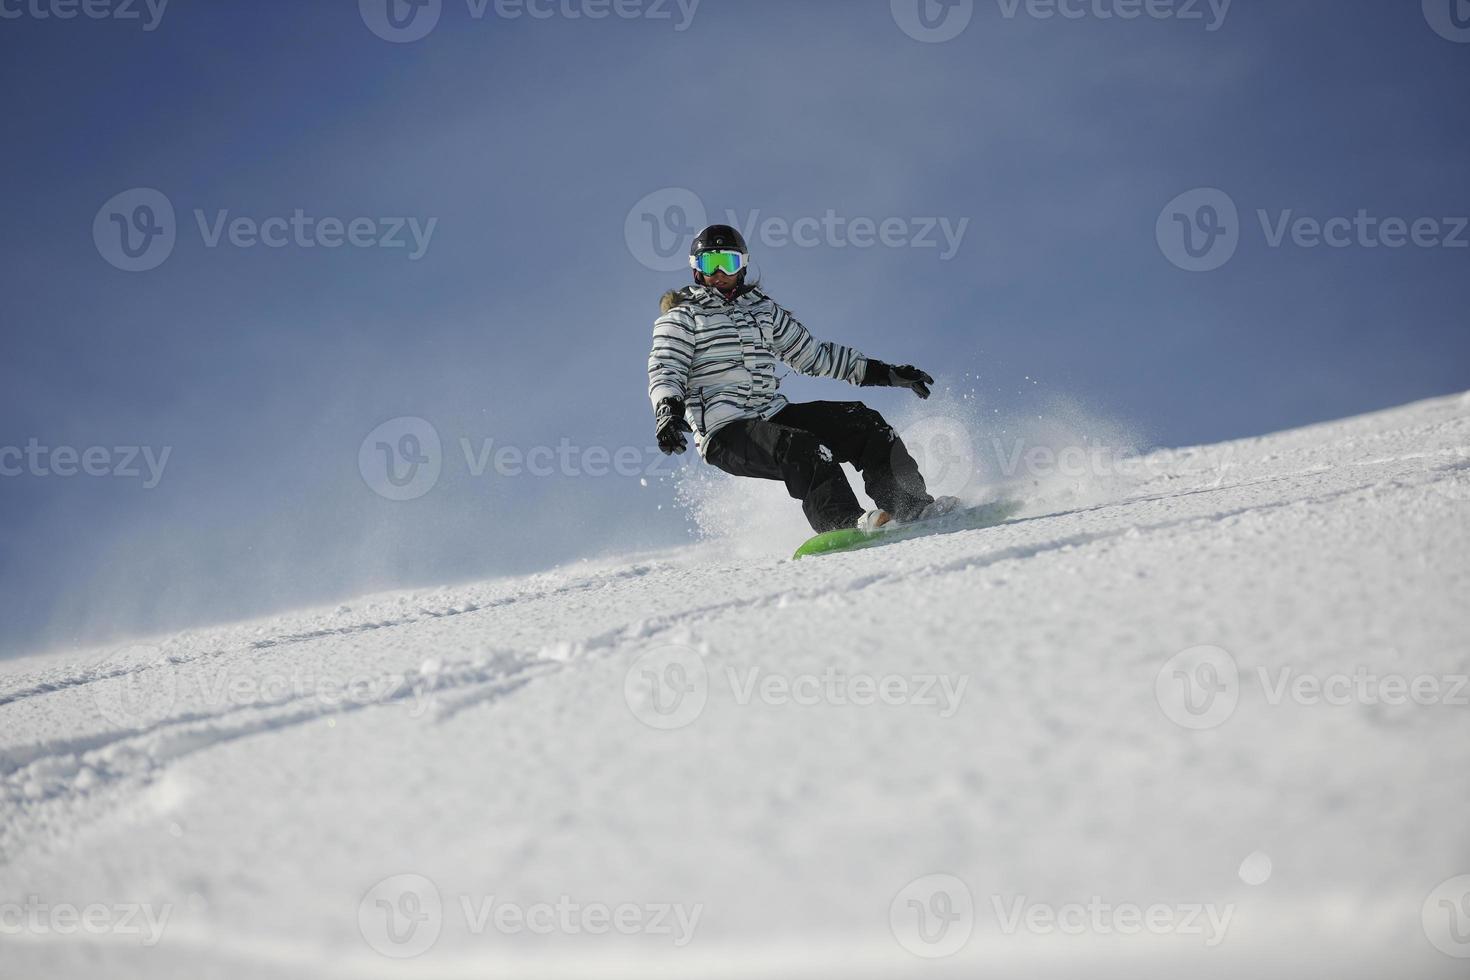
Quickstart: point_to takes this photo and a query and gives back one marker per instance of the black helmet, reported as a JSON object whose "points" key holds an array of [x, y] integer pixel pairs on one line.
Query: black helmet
{"points": [[718, 237]]}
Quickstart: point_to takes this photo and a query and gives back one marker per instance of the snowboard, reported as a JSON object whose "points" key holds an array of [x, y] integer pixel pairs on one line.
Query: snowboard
{"points": [[968, 519]]}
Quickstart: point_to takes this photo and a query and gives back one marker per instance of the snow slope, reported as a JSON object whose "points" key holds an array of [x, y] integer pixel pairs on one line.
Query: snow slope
{"points": [[1092, 764]]}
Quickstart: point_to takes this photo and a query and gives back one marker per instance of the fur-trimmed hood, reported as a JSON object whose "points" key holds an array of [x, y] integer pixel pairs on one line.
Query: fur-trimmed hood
{"points": [[675, 298], [685, 295]]}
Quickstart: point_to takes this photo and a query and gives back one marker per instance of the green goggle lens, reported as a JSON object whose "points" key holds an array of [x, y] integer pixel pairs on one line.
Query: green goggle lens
{"points": [[708, 263]]}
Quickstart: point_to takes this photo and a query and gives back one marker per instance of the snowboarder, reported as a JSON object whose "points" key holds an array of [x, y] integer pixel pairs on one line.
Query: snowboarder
{"points": [[712, 372]]}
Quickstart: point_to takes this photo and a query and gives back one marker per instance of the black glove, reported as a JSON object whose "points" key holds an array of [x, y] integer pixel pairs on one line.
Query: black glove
{"points": [[669, 417], [880, 375]]}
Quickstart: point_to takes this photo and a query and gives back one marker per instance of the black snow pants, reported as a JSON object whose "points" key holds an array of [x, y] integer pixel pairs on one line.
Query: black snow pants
{"points": [[802, 445]]}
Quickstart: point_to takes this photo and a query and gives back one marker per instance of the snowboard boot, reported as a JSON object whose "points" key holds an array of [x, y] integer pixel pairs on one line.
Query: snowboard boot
{"points": [[873, 520], [940, 507]]}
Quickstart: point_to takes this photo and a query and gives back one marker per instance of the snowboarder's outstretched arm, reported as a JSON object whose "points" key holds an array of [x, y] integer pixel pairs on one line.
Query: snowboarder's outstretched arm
{"points": [[796, 346]]}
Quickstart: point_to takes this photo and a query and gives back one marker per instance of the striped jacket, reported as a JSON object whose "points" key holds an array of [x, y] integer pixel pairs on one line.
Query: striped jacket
{"points": [[720, 356]]}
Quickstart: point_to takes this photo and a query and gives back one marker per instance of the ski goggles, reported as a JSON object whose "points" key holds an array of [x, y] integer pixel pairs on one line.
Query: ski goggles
{"points": [[719, 260]]}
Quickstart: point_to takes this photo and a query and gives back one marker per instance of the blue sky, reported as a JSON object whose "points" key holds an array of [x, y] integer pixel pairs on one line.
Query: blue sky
{"points": [[520, 148]]}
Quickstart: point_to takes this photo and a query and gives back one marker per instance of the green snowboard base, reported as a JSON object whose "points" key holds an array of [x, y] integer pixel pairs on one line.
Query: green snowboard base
{"points": [[969, 519]]}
